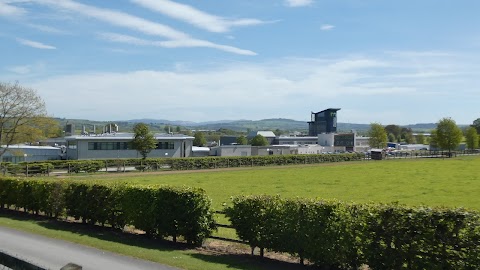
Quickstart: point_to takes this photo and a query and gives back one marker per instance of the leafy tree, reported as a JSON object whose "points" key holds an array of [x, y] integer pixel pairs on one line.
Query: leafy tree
{"points": [[143, 140], [259, 140], [391, 137], [41, 128], [378, 136], [472, 138], [278, 132], [167, 129], [448, 135], [395, 130], [200, 139], [476, 125], [20, 108], [420, 138], [409, 138], [178, 129], [242, 140]]}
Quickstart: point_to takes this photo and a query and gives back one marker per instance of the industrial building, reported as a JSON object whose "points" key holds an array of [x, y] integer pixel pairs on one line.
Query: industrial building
{"points": [[29, 153], [118, 145]]}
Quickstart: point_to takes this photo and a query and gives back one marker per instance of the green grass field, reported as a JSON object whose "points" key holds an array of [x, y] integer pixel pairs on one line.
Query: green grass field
{"points": [[434, 182]]}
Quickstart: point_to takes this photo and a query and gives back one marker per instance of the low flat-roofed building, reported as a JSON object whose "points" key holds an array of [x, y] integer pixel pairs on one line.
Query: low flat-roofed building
{"points": [[198, 151], [231, 150], [29, 153], [118, 145], [291, 140]]}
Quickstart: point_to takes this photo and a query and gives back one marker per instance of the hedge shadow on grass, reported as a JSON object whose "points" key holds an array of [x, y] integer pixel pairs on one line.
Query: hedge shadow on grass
{"points": [[98, 232]]}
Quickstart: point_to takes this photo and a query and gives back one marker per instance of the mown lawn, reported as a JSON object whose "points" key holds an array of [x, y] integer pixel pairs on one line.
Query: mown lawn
{"points": [[434, 182]]}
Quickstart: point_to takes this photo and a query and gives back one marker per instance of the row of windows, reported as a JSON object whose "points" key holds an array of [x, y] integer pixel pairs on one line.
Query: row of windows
{"points": [[165, 145], [124, 145], [109, 146]]}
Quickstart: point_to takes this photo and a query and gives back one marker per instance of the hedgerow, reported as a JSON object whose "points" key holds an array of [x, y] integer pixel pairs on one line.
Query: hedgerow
{"points": [[193, 163], [345, 236], [160, 211]]}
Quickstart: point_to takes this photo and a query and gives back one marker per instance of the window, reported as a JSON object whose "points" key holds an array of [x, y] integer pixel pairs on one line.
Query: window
{"points": [[166, 145], [72, 145], [108, 146]]}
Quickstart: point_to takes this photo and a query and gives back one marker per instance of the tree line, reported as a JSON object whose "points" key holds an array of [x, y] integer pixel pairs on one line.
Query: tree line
{"points": [[447, 136]]}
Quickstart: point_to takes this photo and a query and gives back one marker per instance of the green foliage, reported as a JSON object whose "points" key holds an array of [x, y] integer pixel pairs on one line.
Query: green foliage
{"points": [[259, 140], [242, 140], [476, 125], [447, 134], [378, 136], [420, 138], [394, 130], [143, 140], [159, 211], [344, 236], [472, 138], [200, 139], [88, 166]]}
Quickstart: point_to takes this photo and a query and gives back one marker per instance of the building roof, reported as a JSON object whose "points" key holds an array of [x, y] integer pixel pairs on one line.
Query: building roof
{"points": [[266, 134], [329, 109], [200, 149], [127, 136], [25, 146]]}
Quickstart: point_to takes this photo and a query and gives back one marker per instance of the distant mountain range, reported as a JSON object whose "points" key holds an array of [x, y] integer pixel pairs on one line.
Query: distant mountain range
{"points": [[236, 125]]}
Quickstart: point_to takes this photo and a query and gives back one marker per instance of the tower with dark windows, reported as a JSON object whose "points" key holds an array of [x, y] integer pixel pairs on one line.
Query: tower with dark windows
{"points": [[323, 122]]}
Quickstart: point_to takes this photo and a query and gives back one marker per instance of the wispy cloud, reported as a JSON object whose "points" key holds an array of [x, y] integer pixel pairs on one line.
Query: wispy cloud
{"points": [[195, 16], [185, 43], [298, 3], [117, 18], [326, 27], [47, 29], [175, 38], [35, 44], [11, 11]]}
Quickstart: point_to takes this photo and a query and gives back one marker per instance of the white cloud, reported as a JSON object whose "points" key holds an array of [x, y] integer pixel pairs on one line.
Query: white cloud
{"points": [[327, 27], [47, 29], [20, 69], [288, 88], [298, 3], [176, 38], [194, 16], [35, 44], [117, 18], [378, 88], [183, 43], [11, 11]]}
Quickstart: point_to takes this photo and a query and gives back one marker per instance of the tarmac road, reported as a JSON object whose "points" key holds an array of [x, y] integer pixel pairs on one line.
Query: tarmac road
{"points": [[51, 253]]}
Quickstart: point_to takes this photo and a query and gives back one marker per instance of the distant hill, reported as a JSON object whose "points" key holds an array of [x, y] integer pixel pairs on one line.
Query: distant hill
{"points": [[157, 125]]}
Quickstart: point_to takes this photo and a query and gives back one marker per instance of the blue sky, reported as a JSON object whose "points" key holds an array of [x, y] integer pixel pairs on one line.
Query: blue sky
{"points": [[392, 62]]}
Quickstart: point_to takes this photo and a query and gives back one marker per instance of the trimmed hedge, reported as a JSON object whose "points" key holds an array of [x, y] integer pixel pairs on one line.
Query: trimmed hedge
{"points": [[159, 211], [199, 163], [345, 236]]}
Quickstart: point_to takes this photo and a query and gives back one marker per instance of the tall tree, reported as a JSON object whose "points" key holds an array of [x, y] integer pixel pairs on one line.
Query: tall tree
{"points": [[476, 125], [199, 139], [448, 135], [178, 129], [420, 138], [395, 131], [259, 140], [242, 140], [378, 136], [20, 108], [41, 128], [144, 142], [472, 138]]}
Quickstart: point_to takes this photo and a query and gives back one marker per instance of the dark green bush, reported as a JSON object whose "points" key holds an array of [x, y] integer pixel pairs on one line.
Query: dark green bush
{"points": [[345, 236]]}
